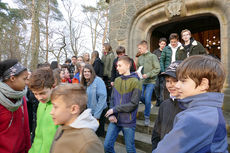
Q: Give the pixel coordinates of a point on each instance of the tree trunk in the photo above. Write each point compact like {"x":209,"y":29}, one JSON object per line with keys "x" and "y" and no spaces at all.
{"x":47,"y":30}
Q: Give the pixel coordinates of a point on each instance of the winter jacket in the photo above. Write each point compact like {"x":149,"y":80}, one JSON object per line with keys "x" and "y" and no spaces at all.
{"x":198,"y":129}
{"x":107,"y":59}
{"x":196,"y":48}
{"x":97,"y":95}
{"x":164,"y":122}
{"x":76,"y":78}
{"x":115,"y":73}
{"x":78,"y":137}
{"x":157,"y":52}
{"x":14,"y":130}
{"x":45,"y":129}
{"x":98,"y":66}
{"x":125,"y":99}
{"x":71,"y":69}
{"x":151,"y":67}
{"x":166,"y":56}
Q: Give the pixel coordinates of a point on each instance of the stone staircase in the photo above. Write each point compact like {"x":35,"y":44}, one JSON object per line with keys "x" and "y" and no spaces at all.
{"x":143,"y":133}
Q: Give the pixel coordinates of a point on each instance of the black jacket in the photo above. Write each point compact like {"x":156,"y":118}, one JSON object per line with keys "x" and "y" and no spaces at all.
{"x":169,"y":108}
{"x":98,"y":67}
{"x":115,"y":73}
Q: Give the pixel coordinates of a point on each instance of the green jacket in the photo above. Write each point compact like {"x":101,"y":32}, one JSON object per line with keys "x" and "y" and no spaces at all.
{"x":166,"y":57}
{"x":196,"y":48}
{"x":151,"y":67}
{"x":45,"y":130}
{"x":108,"y":63}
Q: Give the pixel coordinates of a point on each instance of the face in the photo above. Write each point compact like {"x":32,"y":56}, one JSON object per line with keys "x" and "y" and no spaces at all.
{"x":187,"y":87}
{"x":43,"y":95}
{"x":122,"y":67}
{"x":79,"y":59}
{"x":186,"y":36}
{"x":60,"y":113}
{"x":62,"y":74}
{"x":162,"y":45}
{"x":103,"y":48}
{"x":174,"y":42}
{"x":121,"y":54}
{"x":86,"y":56}
{"x":171,"y":86}
{"x":87,"y":74}
{"x":66,"y":74}
{"x":74,"y":60}
{"x":142,"y":49}
{"x":18,"y":83}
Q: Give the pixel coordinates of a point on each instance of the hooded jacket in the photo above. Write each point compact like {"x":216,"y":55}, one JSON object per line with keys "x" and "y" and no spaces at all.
{"x":78,"y":137}
{"x":107,"y":59}
{"x":198,"y":129}
{"x":195,"y":48}
{"x":151,"y":67}
{"x":125,"y":99}
{"x":166,"y":56}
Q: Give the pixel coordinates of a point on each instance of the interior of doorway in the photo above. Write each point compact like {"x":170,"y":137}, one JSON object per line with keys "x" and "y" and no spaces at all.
{"x":205,"y":29}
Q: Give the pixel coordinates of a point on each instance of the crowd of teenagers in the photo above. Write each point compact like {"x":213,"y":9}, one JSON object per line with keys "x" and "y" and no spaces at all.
{"x":63,"y":108}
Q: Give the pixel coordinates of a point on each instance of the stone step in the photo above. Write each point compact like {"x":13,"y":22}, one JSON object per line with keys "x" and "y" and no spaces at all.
{"x":142,"y":140}
{"x":140,"y":127}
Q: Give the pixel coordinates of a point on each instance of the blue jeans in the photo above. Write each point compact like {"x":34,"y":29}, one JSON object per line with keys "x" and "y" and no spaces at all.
{"x":146,"y":96}
{"x":111,"y":136}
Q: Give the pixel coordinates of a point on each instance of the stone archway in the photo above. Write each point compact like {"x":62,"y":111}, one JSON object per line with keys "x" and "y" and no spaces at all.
{"x":161,"y":12}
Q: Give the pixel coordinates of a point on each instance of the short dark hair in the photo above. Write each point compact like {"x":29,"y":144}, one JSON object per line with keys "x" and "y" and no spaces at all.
{"x":41,"y":78}
{"x":197,"y":67}
{"x":120,"y":50}
{"x":54,"y":65}
{"x":74,"y":57}
{"x":71,"y":94}
{"x":173,"y":36}
{"x":126,"y":59}
{"x":163,"y":39}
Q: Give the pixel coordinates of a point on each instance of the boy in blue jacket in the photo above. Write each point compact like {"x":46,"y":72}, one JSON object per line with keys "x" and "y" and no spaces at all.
{"x":123,"y":108}
{"x":201,"y":127}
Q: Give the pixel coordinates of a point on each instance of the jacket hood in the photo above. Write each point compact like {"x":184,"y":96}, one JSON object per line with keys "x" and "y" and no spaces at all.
{"x":213,"y":99}
{"x":85,"y":120}
{"x":132,"y":75}
{"x":179,"y":44}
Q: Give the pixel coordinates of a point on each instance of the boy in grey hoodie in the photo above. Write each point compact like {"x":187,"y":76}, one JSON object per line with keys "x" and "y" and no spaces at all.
{"x":77,"y":133}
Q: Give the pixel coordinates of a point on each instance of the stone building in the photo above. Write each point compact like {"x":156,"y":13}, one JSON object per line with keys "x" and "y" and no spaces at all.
{"x":209,"y":21}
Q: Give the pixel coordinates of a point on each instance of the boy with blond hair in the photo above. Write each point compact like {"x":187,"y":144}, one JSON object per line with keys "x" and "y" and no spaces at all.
{"x":201,"y":127}
{"x":77,"y":131}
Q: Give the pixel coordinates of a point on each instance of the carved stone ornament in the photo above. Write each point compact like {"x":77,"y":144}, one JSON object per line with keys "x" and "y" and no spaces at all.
{"x":174,"y":7}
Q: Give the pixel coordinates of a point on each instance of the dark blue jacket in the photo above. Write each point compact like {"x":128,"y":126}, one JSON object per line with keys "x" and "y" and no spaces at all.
{"x":125,"y":99}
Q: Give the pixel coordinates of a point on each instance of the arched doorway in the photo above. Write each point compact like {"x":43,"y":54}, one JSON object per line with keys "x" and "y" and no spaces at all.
{"x":205,"y":29}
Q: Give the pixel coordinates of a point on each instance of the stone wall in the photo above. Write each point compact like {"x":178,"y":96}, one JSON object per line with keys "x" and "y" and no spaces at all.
{"x":122,"y":13}
{"x":134,"y":20}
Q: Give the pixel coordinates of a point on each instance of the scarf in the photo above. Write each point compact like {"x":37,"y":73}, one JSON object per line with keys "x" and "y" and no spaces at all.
{"x":7,"y":92}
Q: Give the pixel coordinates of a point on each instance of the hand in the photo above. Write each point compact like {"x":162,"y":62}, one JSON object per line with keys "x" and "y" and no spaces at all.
{"x":144,"y":76}
{"x":113,"y":119}
{"x":112,"y":83}
{"x":109,"y":112}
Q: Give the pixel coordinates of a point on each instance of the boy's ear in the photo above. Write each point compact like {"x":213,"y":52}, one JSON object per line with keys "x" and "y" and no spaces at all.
{"x":75,"y":109}
{"x":204,"y":85}
{"x":12,"y":78}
